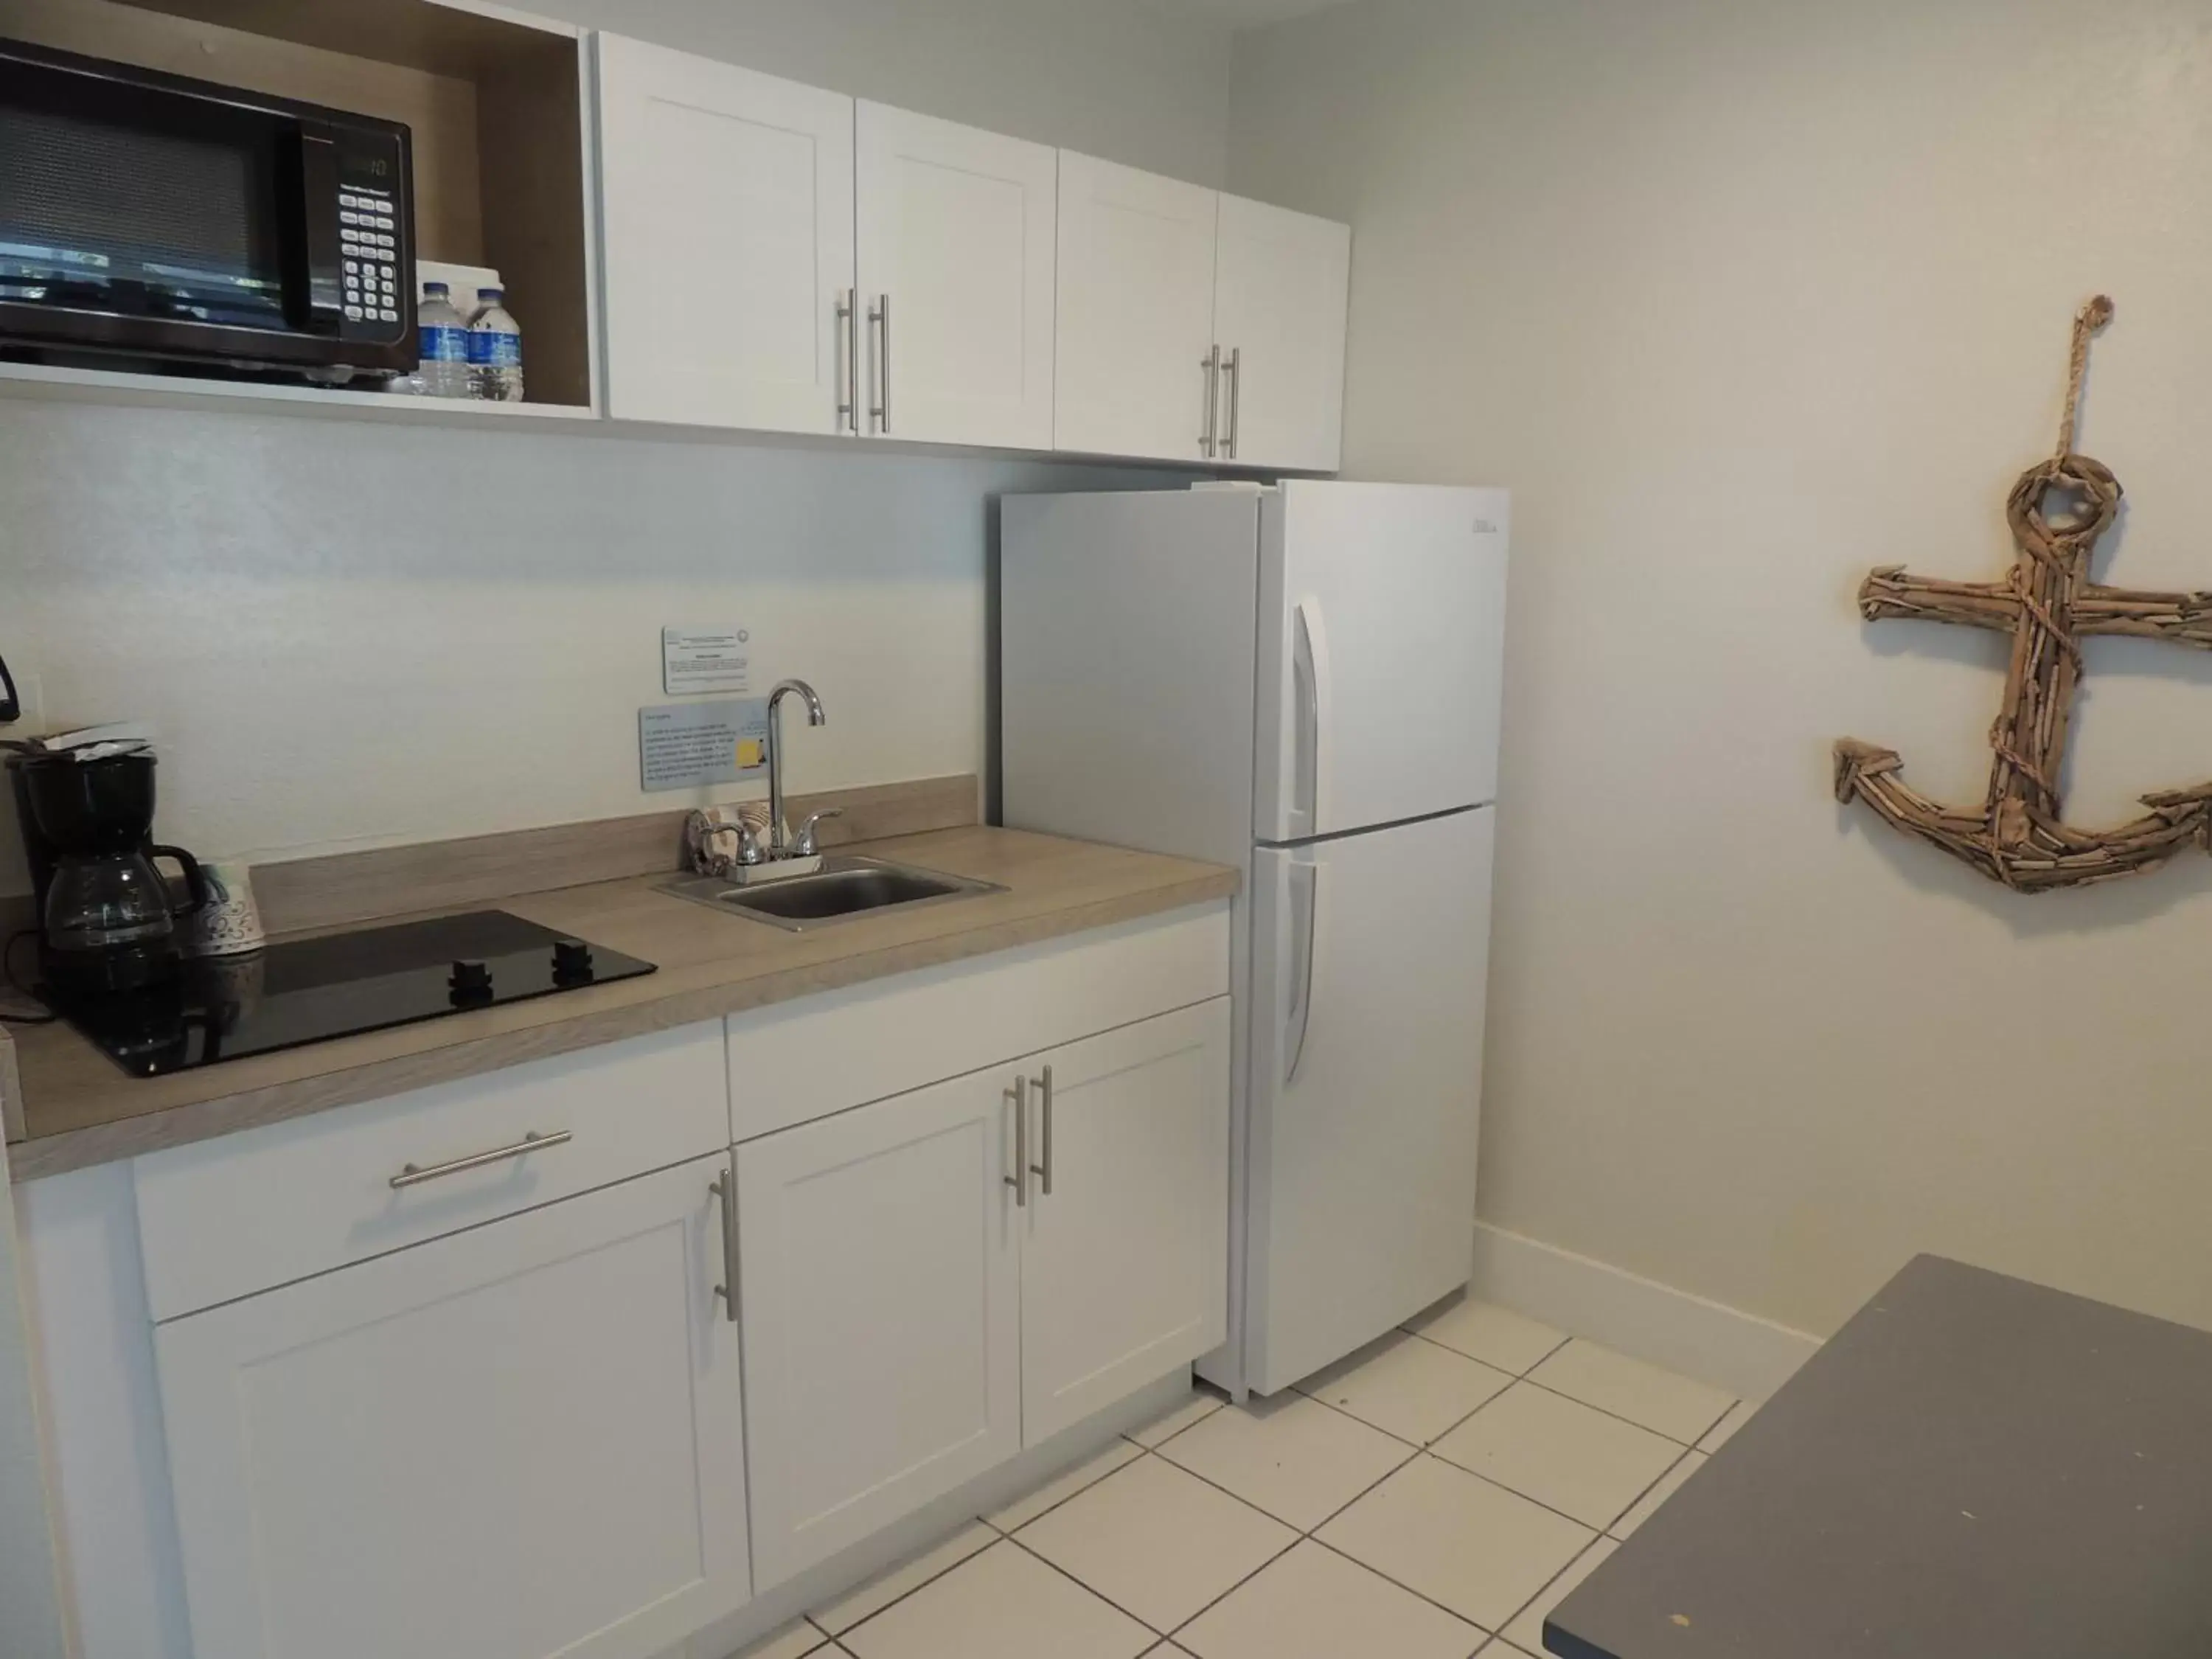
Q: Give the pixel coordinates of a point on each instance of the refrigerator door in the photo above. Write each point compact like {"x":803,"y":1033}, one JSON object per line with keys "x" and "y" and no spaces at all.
{"x":1382,"y":652}
{"x":1370,"y":962}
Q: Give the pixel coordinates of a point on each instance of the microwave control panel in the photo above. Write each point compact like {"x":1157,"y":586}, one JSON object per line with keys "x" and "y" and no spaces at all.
{"x":375,"y":263}
{"x":369,"y":241}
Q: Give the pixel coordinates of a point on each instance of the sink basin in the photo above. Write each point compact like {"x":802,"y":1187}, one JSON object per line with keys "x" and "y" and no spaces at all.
{"x":843,"y":888}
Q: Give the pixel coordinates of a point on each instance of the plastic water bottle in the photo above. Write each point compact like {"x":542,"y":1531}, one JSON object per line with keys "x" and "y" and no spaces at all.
{"x":496,"y":349}
{"x":445,"y":343}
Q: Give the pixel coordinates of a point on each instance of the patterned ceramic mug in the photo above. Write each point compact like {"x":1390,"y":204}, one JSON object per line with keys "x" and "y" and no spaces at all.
{"x":230,"y":923}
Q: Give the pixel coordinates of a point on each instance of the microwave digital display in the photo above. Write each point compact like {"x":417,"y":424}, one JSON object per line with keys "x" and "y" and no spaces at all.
{"x":144,"y":214}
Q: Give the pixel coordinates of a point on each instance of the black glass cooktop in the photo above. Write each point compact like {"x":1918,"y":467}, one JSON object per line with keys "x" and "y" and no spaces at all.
{"x":340,"y":985}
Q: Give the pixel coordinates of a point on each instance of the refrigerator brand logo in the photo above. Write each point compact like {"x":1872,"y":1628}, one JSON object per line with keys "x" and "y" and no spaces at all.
{"x":1484,"y":527}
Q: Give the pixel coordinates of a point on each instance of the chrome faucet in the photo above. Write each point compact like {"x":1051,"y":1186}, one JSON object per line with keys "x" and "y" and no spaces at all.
{"x":779,"y":832}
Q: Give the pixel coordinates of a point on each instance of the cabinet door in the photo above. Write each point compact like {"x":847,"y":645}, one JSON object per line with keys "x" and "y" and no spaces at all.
{"x":956,"y":236}
{"x":1125,"y":1261}
{"x":881,"y":1287}
{"x":1135,"y":312}
{"x":728,"y":221}
{"x":516,"y":1442}
{"x":1280,"y":286}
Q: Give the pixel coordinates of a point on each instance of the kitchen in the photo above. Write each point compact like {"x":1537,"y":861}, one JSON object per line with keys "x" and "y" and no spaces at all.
{"x":395,"y":647}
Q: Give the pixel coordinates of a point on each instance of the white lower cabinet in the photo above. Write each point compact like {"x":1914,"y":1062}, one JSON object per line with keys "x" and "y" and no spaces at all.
{"x":520,"y":1441}
{"x":1125,"y":1260}
{"x":881,"y":1292}
{"x":917,"y":1308}
{"x":498,"y":1411}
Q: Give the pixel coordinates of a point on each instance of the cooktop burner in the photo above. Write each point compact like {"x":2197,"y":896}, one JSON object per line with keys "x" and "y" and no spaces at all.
{"x":339,"y":985}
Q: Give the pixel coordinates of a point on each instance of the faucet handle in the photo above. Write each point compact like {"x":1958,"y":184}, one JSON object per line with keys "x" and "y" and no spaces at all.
{"x":803,"y":845}
{"x":751,"y":844}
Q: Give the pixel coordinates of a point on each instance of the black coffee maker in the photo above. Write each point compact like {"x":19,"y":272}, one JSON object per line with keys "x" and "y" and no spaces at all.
{"x":107,"y":916}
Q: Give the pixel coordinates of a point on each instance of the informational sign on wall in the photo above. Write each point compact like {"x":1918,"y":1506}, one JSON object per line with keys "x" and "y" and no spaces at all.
{"x":685,"y":745}
{"x":692,"y":662}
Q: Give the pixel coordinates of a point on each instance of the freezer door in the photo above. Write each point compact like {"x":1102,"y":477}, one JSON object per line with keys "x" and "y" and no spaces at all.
{"x":1381,"y":651}
{"x":1369,"y":960}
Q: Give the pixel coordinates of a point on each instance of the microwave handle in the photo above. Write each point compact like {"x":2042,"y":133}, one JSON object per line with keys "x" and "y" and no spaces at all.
{"x":318,"y":223}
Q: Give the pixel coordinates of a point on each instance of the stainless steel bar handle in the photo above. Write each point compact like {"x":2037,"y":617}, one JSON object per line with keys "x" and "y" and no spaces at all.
{"x":1303,"y":992}
{"x":1212,"y":364}
{"x":1305,"y":676}
{"x":414,"y":1174}
{"x":1044,"y":1087}
{"x":1019,"y":1181}
{"x":1235,"y":370}
{"x":724,"y":1188}
{"x":880,"y":364}
{"x":848,"y":372}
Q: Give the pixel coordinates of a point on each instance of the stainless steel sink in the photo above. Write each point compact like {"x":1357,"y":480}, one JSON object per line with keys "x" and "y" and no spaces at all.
{"x":843,"y":888}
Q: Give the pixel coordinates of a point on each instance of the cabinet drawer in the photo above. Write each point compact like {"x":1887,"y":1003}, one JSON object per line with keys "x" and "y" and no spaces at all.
{"x":228,"y":1217}
{"x":793,"y":1063}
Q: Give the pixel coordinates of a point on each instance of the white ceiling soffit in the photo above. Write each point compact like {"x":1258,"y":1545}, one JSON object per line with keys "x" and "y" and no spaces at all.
{"x":1242,"y":14}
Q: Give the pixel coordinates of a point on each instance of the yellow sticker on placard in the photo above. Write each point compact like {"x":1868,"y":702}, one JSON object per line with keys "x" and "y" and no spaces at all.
{"x":751,"y":752}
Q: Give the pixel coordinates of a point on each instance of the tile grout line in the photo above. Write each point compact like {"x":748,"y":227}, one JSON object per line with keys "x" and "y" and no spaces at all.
{"x":1430,"y":1448}
{"x":1561,"y":1394}
{"x":838,"y":1636}
{"x":1008,"y":1532}
{"x":1458,"y":1423}
{"x":1411,"y":1452}
{"x":1663,"y":1476}
{"x":1342,"y":1411}
{"x":1091,"y":1590}
{"x":1553,"y":1580}
{"x":1144,"y":1452}
{"x":1530,"y":1377}
{"x":1422,"y":1336}
{"x":1419,"y":1596}
{"x":1309,"y":1536}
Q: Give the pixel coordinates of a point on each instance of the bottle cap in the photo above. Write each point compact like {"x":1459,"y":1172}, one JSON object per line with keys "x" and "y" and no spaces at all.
{"x":440,"y":288}
{"x":495,"y":295}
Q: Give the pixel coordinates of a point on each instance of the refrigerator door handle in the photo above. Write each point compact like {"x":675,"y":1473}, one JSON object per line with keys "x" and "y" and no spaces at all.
{"x":1310,"y":669}
{"x":1301,"y":988}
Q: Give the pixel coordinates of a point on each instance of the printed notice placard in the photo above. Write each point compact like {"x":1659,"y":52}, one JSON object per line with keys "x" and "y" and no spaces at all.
{"x":682,"y":745}
{"x":692,"y":662}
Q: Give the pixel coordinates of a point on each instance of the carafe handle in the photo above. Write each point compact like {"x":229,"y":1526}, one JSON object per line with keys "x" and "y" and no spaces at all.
{"x":196,"y":881}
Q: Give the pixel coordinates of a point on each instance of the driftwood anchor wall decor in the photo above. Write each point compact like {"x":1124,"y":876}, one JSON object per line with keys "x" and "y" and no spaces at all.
{"x":2048,"y":604}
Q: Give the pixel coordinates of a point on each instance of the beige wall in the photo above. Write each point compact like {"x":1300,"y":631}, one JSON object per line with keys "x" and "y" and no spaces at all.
{"x":1741,"y":298}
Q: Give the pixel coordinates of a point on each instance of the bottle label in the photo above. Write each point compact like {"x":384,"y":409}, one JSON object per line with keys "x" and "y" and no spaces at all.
{"x":490,"y":350}
{"x":444,"y":343}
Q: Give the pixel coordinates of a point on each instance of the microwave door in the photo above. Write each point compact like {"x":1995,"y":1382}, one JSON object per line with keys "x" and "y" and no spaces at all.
{"x":315,"y":285}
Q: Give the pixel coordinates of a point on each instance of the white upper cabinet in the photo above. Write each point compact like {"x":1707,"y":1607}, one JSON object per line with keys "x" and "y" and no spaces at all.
{"x":956,"y":245}
{"x":523,"y":1441}
{"x":1281,"y":283}
{"x":784,"y":258}
{"x":1135,"y":312}
{"x":728,"y":224}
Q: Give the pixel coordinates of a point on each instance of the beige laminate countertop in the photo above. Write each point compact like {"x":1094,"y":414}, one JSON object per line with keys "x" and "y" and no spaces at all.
{"x":79,"y":1108}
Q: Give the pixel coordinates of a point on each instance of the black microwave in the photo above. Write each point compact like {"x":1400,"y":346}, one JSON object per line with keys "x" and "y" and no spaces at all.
{"x":155,"y":217}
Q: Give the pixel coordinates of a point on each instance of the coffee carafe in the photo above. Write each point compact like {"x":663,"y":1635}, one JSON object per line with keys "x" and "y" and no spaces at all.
{"x":107,"y":915}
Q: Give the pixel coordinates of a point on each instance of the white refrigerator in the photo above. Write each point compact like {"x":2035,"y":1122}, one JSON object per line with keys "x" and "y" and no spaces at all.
{"x":1301,"y":680}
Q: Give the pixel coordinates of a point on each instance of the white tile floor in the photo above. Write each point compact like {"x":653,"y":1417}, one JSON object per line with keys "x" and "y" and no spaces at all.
{"x":1433,"y":1496}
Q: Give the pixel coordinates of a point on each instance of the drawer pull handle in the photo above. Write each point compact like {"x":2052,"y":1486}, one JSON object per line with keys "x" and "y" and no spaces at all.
{"x":1019,"y":1181}
{"x":1044,"y":1086}
{"x":415,"y":1174}
{"x":724,"y":1188}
